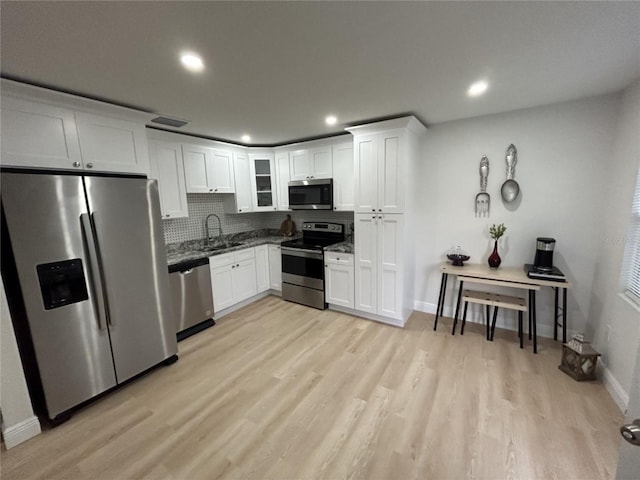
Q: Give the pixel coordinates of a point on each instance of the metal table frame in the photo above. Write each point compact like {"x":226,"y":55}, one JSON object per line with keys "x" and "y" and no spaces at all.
{"x":511,"y":277}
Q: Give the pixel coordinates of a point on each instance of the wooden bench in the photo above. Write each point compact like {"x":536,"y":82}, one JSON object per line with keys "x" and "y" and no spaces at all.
{"x":495,"y":300}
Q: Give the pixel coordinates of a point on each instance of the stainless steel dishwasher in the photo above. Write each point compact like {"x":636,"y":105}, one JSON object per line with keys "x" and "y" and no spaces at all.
{"x":192,"y":296}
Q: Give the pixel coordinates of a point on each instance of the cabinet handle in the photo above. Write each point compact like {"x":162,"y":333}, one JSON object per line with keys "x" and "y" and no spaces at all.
{"x":237,"y":264}
{"x":76,"y":164}
{"x":374,"y":217}
{"x":215,"y":190}
{"x":239,"y":209}
{"x":233,"y":266}
{"x":380,"y":217}
{"x":89,"y":165}
{"x":373,"y":209}
{"x":379,"y":209}
{"x":211,"y":189}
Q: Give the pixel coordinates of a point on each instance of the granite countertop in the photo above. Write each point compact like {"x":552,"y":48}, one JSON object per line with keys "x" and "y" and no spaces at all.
{"x":196,"y":249}
{"x":342,"y":247}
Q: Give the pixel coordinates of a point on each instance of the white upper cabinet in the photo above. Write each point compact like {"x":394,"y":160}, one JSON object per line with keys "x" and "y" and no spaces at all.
{"x":167,"y":167}
{"x":311,"y":163}
{"x":379,"y":172}
{"x":112,"y":145}
{"x":208,"y":170}
{"x":40,"y":135}
{"x":343,"y":188}
{"x":262,"y":181}
{"x":282,"y":180}
{"x":383,"y":153}
{"x":241,"y":201}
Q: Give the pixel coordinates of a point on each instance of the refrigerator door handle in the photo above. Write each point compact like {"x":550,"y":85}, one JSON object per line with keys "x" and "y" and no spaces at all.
{"x":101,"y":310}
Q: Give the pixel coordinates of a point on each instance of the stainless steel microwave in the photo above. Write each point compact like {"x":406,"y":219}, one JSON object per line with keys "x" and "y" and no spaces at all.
{"x":315,"y":194}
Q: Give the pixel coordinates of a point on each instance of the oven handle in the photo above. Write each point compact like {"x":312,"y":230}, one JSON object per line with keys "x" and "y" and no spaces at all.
{"x":301,"y":252}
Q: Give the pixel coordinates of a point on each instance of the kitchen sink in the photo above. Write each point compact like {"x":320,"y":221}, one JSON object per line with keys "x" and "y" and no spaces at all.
{"x":219,"y":246}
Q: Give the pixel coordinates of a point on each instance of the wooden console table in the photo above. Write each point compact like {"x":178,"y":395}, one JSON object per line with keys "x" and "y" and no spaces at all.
{"x":513,"y":277}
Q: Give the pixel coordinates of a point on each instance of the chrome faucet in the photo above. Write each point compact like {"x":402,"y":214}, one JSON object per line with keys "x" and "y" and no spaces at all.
{"x":206,"y":226}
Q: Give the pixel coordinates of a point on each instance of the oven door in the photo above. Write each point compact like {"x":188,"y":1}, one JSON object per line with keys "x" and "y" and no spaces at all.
{"x":303,"y":267}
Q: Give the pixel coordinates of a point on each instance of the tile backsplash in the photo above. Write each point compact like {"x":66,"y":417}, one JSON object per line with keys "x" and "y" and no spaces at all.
{"x":202,"y":204}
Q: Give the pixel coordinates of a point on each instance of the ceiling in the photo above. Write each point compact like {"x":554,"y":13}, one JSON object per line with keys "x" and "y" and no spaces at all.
{"x":274,"y":70}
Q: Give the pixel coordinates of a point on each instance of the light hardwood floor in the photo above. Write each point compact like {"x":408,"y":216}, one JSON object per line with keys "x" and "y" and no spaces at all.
{"x":281,"y":391}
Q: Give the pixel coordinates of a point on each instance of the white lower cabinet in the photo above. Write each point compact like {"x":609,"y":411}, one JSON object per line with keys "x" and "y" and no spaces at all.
{"x":339,"y":279}
{"x":233,"y":278}
{"x":275,"y":268}
{"x":262,"y":268}
{"x":379,"y":264}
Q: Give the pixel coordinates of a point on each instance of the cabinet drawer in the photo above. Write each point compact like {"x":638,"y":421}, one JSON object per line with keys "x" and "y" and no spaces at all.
{"x":221,"y":260}
{"x":245,"y":254}
{"x":335,"y":258}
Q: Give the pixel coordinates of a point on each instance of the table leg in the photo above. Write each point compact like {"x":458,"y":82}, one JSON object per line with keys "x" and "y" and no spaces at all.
{"x":520,"y":334}
{"x":555,"y":314}
{"x":564,"y":315}
{"x":488,"y":317}
{"x":441,"y":296}
{"x":535,"y":334}
{"x":530,"y":311}
{"x":455,"y":318}
{"x":493,"y":323}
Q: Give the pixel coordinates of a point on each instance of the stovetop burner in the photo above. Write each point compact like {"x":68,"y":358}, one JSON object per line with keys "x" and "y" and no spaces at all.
{"x":317,"y":235}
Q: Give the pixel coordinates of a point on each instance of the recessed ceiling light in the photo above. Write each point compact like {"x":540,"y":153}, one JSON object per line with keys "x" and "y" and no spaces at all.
{"x":477,"y":88}
{"x":331,"y":120}
{"x":246,"y":138}
{"x":192,"y":62}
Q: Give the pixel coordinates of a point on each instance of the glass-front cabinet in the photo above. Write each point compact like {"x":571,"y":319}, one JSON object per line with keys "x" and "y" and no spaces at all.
{"x":263,"y":182}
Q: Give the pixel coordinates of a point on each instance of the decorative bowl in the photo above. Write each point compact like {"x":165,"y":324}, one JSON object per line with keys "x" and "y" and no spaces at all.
{"x":458,"y":256}
{"x":458,"y":259}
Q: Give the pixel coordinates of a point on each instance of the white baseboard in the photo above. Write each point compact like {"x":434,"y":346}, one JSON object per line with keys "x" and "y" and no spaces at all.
{"x":368,"y":316}
{"x":21,"y":432}
{"x":619,"y":395}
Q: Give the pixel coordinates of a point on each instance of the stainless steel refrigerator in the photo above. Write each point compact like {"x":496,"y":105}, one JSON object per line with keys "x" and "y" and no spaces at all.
{"x":90,"y":263}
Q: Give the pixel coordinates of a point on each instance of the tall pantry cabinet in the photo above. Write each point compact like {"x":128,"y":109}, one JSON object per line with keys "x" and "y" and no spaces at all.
{"x":385,"y":154}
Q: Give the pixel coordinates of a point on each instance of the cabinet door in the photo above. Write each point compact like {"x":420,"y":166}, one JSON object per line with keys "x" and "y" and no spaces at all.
{"x":390,"y":270}
{"x":392,"y":151}
{"x":339,"y":280}
{"x":300,"y":165}
{"x":262,"y":268}
{"x":342,"y":157}
{"x":282,"y":180}
{"x":365,"y":156}
{"x":222,"y":168}
{"x":275,"y":267}
{"x":222,"y":286}
{"x":197,"y":168}
{"x":366,"y":262}
{"x":262,"y":177}
{"x":242,"y":173}
{"x":112,"y":145}
{"x":38,"y":135}
{"x":320,"y":161}
{"x":168,"y":169}
{"x":244,"y":280}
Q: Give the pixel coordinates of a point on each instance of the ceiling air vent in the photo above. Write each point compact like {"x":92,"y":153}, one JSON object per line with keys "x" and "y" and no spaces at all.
{"x":170,"y":122}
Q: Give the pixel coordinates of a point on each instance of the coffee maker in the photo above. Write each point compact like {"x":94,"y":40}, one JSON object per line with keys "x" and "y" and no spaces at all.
{"x":543,"y":261}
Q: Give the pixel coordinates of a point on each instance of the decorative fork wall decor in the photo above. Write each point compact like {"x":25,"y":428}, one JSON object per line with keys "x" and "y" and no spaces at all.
{"x":483,"y":200}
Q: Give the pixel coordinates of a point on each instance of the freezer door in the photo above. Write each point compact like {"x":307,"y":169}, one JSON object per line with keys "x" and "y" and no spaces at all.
{"x":126,"y":216}
{"x":44,"y":218}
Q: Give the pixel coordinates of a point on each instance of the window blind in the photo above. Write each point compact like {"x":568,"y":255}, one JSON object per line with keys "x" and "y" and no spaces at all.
{"x":631,"y":262}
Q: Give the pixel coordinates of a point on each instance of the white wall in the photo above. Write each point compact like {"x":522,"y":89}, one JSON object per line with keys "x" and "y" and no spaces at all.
{"x":608,"y":308}
{"x":564,"y":165}
{"x":18,"y":421}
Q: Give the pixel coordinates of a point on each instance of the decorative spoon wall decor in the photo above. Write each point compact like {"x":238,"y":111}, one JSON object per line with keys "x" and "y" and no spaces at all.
{"x":510,"y":188}
{"x":483,"y":199}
